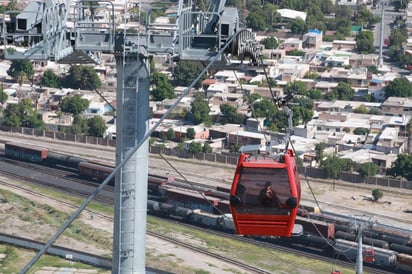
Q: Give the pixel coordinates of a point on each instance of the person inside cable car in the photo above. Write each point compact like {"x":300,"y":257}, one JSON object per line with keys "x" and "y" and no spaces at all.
{"x":268,"y":197}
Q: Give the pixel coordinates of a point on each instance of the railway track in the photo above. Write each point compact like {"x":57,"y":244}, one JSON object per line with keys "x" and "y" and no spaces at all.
{"x":300,"y":252}
{"x":42,"y":177}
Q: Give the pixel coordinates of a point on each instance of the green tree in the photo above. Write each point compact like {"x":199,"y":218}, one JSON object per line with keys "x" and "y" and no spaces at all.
{"x":344,"y":91}
{"x":22,"y":114}
{"x":3,"y":95}
{"x":20,"y":69}
{"x":186,"y":72}
{"x":298,"y":26}
{"x":199,"y":111}
{"x":402,"y":167}
{"x":270,"y":42}
{"x":235,"y":148}
{"x":170,"y":134}
{"x":399,"y":87}
{"x":96,"y":126}
{"x":74,"y":104}
{"x":320,"y":150}
{"x":195,"y":147}
{"x":333,"y":165}
{"x":161,"y":87}
{"x":82,"y":77}
{"x":315,"y":94}
{"x":377,"y":194}
{"x":207,"y":148}
{"x":360,"y":131}
{"x":50,"y":79}
{"x":190,"y":133}
{"x":230,"y":115}
{"x":364,"y":42}
{"x":296,"y":87}
{"x":367,"y":169}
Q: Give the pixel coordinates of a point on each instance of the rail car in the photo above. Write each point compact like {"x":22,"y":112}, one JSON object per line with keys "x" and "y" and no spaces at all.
{"x":316,"y":227}
{"x":404,"y":262}
{"x":94,"y":171}
{"x":265,"y":195}
{"x":401,"y":248}
{"x":25,"y":152}
{"x":195,"y":200}
{"x":349,"y":249}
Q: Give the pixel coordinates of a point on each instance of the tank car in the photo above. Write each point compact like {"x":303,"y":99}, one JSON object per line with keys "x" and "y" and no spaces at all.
{"x":401,"y":248}
{"x":383,"y":257}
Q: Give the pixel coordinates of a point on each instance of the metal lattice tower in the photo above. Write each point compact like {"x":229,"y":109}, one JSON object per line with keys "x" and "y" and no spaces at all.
{"x":59,"y":31}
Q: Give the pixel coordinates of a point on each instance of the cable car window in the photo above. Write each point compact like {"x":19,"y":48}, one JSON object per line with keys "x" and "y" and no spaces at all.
{"x":263,"y":191}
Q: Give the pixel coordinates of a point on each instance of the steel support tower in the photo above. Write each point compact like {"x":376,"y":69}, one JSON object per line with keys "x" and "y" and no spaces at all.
{"x":41,"y":32}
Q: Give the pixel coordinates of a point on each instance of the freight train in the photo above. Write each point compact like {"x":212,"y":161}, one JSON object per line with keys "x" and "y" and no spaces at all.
{"x":210,"y":208}
{"x":328,"y":242}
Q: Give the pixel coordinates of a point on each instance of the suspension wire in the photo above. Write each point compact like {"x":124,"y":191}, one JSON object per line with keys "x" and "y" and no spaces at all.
{"x":127,"y":156}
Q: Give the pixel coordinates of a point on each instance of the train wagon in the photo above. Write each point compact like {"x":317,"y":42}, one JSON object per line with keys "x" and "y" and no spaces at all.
{"x":195,"y":200}
{"x":315,"y":227}
{"x":25,"y":152}
{"x":94,"y":171}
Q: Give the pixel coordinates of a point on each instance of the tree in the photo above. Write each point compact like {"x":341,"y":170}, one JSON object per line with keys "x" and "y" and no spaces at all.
{"x":50,"y":79}
{"x":3,"y":96}
{"x":82,"y":77}
{"x":21,"y":69}
{"x":199,"y":111}
{"x":230,"y":115}
{"x":402,"y":167}
{"x":207,"y":148}
{"x":22,"y":114}
{"x":344,"y":91}
{"x":74,"y":104}
{"x":170,"y":134}
{"x":333,"y":165}
{"x":377,"y":194}
{"x":364,"y":42}
{"x":399,"y":87}
{"x":195,"y":147}
{"x":235,"y":148}
{"x":161,"y":87}
{"x":298,"y":26}
{"x":319,"y":149}
{"x":186,"y":72}
{"x":360,"y":131}
{"x":190,"y":133}
{"x":367,"y":169}
{"x":96,"y":126}
{"x":270,"y":42}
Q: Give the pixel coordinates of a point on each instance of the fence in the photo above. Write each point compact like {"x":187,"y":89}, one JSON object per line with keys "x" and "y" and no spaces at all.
{"x":212,"y":157}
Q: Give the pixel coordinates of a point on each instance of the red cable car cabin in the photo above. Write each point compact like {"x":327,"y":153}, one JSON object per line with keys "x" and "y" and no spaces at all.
{"x":265,"y":195}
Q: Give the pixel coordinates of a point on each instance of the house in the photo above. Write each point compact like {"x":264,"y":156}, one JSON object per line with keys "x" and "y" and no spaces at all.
{"x":390,"y":142}
{"x":344,"y":45}
{"x":397,"y":106}
{"x":244,"y":138}
{"x":312,"y":39}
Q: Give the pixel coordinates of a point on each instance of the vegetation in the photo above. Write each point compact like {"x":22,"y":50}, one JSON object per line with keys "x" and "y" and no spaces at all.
{"x":230,"y":115}
{"x":399,"y":87}
{"x":82,"y":77}
{"x":402,"y":167}
{"x":74,"y":104}
{"x":50,"y":79}
{"x":22,"y":114}
{"x":20,"y":70}
{"x":377,"y":194}
{"x":186,"y":72}
{"x":199,"y":111}
{"x":333,"y":165}
{"x":367,"y":169}
{"x":161,"y":88}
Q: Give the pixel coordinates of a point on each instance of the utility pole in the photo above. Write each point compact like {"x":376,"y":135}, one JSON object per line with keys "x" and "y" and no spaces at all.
{"x":196,"y":35}
{"x":380,"y":61}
